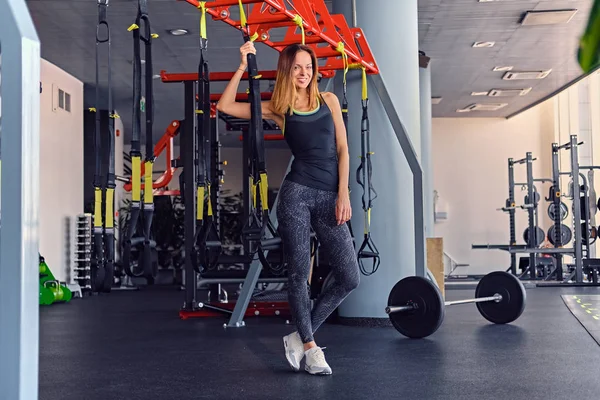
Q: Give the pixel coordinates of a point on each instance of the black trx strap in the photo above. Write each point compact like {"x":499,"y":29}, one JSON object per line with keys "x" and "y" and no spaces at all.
{"x":104,"y":233}
{"x":345,"y":117}
{"x":258,"y":169}
{"x":363,"y":177}
{"x":207,"y":239}
{"x":136,"y":154}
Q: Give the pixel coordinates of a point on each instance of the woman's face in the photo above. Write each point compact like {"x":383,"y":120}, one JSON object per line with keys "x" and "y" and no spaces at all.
{"x":302,"y":70}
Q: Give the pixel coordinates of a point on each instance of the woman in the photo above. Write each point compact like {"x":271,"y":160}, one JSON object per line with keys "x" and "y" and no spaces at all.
{"x":314,"y":193}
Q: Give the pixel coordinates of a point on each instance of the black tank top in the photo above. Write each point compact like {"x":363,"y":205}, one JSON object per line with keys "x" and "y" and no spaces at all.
{"x":311,"y":138}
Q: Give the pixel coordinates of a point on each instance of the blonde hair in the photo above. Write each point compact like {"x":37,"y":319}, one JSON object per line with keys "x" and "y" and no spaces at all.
{"x":284,"y":93}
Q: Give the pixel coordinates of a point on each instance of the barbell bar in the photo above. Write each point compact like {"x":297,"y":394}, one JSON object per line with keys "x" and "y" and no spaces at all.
{"x":416,"y":307}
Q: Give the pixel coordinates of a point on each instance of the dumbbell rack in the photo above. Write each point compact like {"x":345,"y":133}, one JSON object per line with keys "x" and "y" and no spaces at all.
{"x":83,"y":252}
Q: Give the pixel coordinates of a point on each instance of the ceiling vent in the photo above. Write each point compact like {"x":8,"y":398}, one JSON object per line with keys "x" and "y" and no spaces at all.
{"x":503,"y":68}
{"x":479,"y":93}
{"x":515,"y":75}
{"x":548,"y":17}
{"x":508,"y":92}
{"x":483,"y":107}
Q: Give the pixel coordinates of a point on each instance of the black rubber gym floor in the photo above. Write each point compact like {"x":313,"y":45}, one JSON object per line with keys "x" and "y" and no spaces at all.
{"x":132,"y":345}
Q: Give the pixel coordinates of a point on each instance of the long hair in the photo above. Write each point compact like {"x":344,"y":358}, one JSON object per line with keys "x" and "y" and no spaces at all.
{"x":284,"y":93}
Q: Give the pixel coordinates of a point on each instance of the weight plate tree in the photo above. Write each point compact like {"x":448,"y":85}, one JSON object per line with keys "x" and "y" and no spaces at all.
{"x":416,"y":307}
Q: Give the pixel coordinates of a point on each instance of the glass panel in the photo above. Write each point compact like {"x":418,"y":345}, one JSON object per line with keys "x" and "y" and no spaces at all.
{"x":67,"y":102}
{"x":61,"y":99}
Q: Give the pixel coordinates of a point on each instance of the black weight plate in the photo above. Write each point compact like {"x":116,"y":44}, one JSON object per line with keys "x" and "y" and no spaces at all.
{"x":513,"y":297}
{"x":564,"y":211}
{"x":539,"y":237}
{"x":565,"y":234}
{"x":536,"y":197}
{"x":429,"y":314}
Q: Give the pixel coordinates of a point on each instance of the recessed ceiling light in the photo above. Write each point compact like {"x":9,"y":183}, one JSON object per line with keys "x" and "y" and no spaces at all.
{"x":483,"y":107}
{"x":484,"y":44}
{"x":479,"y":93}
{"x":502,"y":69}
{"x":155,"y":76}
{"x":509,"y":76}
{"x":178,"y":32}
{"x":436,"y":100}
{"x":548,"y":17}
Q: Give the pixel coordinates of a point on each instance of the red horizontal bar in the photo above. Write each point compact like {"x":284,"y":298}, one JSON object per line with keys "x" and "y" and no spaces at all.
{"x":241,"y":96}
{"x":213,"y":76}
{"x":166,"y":193}
{"x":268,"y":137}
{"x":170,"y":77}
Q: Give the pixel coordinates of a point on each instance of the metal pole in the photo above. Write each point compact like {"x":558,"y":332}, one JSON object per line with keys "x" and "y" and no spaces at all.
{"x":189,"y":195}
{"x":556,"y":200}
{"x":576,"y":210}
{"x":497,"y":298}
{"x":532,"y":242}
{"x":511,"y":214}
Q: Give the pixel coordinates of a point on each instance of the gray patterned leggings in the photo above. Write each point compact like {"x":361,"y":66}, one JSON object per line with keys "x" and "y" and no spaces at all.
{"x":298,"y":208}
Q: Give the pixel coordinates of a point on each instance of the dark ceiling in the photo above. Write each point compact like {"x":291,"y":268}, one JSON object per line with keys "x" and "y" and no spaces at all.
{"x":447,"y":28}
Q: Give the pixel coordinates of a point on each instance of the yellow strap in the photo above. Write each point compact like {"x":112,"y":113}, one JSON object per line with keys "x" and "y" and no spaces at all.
{"x":97,"y":208}
{"x":148,"y":192}
{"x":202,"y":7}
{"x":136,"y":178}
{"x":92,"y":109}
{"x":264,"y":191}
{"x":200,"y":203}
{"x":115,"y":115}
{"x":364,"y":84}
{"x":133,"y":27}
{"x":254,"y":37}
{"x":253,"y":191}
{"x":341,"y":49}
{"x":110,"y":215}
{"x":210,"y":210}
{"x":367,"y":220}
{"x":154,"y":35}
{"x":298,"y":20}
{"x":243,"y":20}
{"x":199,"y":112}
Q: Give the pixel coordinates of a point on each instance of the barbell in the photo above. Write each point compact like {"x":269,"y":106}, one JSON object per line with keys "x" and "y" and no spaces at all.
{"x":416,"y":307}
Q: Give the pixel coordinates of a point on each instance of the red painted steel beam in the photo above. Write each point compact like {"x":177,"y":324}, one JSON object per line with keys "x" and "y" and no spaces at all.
{"x":241,"y":96}
{"x":177,"y":77}
{"x":319,"y":27}
{"x":268,"y":137}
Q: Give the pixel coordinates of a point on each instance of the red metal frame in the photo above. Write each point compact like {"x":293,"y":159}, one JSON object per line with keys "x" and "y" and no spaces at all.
{"x":255,"y":309}
{"x":165,"y":143}
{"x":319,"y":27}
{"x":268,"y":137}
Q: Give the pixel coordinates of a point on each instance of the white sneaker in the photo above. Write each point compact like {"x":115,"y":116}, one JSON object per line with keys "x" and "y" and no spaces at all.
{"x":294,"y":350}
{"x":315,"y":362}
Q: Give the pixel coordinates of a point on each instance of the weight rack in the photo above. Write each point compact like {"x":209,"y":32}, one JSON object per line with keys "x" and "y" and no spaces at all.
{"x":83,"y":252}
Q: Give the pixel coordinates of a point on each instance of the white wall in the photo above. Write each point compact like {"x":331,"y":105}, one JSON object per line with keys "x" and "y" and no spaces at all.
{"x":61,"y":166}
{"x":470,"y":158}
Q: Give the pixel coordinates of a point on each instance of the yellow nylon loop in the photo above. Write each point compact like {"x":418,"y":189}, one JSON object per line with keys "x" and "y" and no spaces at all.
{"x":133,"y":27}
{"x":298,"y":21}
{"x":136,"y":178}
{"x":243,"y":20}
{"x":92,"y":109}
{"x":364,"y":84}
{"x":340,"y":48}
{"x":202,"y":7}
{"x":254,"y":37}
{"x":258,"y":76}
{"x":264,"y":191}
{"x":199,"y":112}
{"x":210,"y":209}
{"x":97,"y":208}
{"x":154,"y":35}
{"x":148,"y":190}
{"x":110,"y":214}
{"x":200,"y":203}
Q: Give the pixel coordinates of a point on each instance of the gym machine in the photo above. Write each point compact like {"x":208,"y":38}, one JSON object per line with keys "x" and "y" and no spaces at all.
{"x":533,"y":235}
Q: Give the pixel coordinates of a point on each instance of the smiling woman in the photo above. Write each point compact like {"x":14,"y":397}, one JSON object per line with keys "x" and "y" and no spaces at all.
{"x":314,"y":193}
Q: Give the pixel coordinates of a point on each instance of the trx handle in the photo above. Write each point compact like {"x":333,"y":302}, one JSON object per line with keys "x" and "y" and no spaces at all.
{"x":364,"y":175}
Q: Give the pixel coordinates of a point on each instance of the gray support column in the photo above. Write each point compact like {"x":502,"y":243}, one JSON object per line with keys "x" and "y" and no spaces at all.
{"x":391,"y":29}
{"x":19,"y":272}
{"x":426,"y":140}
